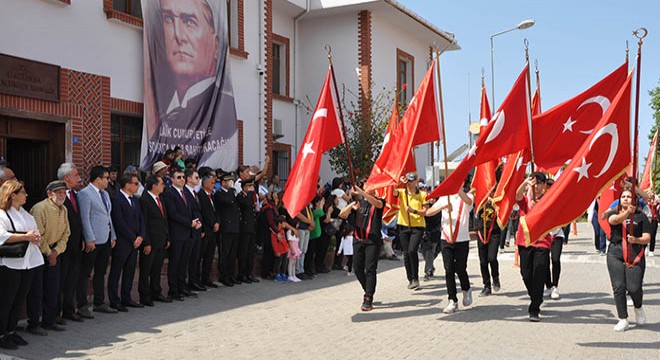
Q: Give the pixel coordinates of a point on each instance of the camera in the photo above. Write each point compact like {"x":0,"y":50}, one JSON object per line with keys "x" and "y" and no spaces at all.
{"x":260,"y":69}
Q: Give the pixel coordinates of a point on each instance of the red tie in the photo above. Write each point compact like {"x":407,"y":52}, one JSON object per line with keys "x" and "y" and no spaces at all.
{"x":73,"y":201}
{"x":184,"y":197}
{"x":160,"y":206}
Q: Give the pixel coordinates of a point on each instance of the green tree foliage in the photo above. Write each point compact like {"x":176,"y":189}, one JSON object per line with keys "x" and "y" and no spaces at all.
{"x":655,"y":106}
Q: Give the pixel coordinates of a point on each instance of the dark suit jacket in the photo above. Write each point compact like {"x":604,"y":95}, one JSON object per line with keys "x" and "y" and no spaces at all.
{"x":248,"y":215}
{"x":209,"y":216}
{"x":154,"y":221}
{"x":228,"y":211}
{"x":195,"y":209}
{"x":75,"y":224}
{"x":179,"y":216}
{"x":127,"y":219}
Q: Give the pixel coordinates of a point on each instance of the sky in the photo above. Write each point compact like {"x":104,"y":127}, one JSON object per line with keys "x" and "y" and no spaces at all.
{"x":576,"y":43}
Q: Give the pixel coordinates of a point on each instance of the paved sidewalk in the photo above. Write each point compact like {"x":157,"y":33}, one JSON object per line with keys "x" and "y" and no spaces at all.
{"x":321,"y":319}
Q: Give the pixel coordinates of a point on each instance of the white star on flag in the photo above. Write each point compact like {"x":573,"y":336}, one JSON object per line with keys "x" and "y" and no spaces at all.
{"x":307,"y":149}
{"x":568,"y":125}
{"x":583,"y":170}
{"x":473,"y":151}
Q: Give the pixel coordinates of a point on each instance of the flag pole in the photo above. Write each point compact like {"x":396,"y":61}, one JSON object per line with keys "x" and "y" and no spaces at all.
{"x":538,"y":80}
{"x":341,"y":116}
{"x":444,"y":137}
{"x":529,"y":101}
{"x":639,"y":34}
{"x":654,"y":165}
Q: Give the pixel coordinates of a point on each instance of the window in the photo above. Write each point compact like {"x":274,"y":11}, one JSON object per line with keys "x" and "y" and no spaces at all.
{"x":281,"y":162}
{"x":405,"y":68}
{"x":280,"y":71}
{"x":130,"y":7}
{"x":125,"y":137}
{"x":235,"y":28}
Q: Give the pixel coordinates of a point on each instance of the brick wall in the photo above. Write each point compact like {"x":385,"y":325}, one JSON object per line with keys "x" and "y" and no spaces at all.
{"x":364,"y":61}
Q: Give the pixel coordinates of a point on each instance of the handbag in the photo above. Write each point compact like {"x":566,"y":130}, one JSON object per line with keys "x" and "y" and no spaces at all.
{"x":329,"y":229}
{"x":14,"y":250}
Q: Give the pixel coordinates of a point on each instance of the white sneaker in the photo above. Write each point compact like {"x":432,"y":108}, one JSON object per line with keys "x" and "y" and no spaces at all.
{"x":451,"y":307}
{"x":651,"y":254}
{"x":293,"y":279}
{"x":547,"y":292}
{"x":467,"y":297}
{"x":622,"y":325}
{"x":640,"y":316}
{"x":348,"y":273}
{"x":554,"y":295}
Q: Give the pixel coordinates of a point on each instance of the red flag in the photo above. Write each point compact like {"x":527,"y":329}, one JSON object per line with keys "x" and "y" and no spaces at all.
{"x":507,"y":132}
{"x":322,"y":135}
{"x":647,"y":177}
{"x":559,"y":132}
{"x":418,"y":126}
{"x":484,"y":175}
{"x":606,"y":199}
{"x":391,"y":202}
{"x":588,"y":173}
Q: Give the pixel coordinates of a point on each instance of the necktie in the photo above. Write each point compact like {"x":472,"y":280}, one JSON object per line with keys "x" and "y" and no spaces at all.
{"x":132,"y":201}
{"x":211,"y":201}
{"x":105,"y":202}
{"x":183,"y":195}
{"x":160,"y":206}
{"x":72,"y":198}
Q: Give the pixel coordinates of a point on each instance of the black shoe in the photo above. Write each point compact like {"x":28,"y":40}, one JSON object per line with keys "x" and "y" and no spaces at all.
{"x":147,"y":303}
{"x":36,"y":331}
{"x":53,"y":327}
{"x":227,"y":283}
{"x":7,"y":344}
{"x":534,"y":318}
{"x":17,"y":339}
{"x":322,"y":271}
{"x":268,"y":277}
{"x":161,"y":298}
{"x":188,"y":293}
{"x":197,"y":287}
{"x":253,"y":279}
{"x":177,"y":297}
{"x":236,"y":281}
{"x":485,"y":292}
{"x":73,"y":317}
{"x":132,"y":304}
{"x":427,"y":277}
{"x":210,"y":284}
{"x":367,"y":303}
{"x":119,"y":307}
{"x":60,"y":321}
{"x":496,"y":285}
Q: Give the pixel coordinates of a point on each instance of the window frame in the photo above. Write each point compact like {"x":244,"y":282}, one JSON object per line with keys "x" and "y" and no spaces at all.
{"x":406,"y":94}
{"x":121,"y":138}
{"x":284,"y":68}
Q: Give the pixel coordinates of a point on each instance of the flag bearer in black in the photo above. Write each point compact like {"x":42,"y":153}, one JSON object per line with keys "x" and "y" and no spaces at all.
{"x":230,"y":216}
{"x":246,"y":246}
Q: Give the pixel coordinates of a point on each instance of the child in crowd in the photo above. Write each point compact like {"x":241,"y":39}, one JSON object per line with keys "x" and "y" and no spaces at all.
{"x":346,"y":246}
{"x":294,"y":255}
{"x":280,"y":250}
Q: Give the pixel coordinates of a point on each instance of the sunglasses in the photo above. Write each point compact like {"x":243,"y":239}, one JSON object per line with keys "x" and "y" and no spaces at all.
{"x":179,"y":177}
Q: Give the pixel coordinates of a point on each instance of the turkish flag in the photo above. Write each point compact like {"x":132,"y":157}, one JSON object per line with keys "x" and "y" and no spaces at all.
{"x":418,"y":126}
{"x":484,"y":175}
{"x":606,"y":199}
{"x":322,"y":135}
{"x":603,"y":157}
{"x":506,"y":133}
{"x":559,"y":132}
{"x":649,"y":171}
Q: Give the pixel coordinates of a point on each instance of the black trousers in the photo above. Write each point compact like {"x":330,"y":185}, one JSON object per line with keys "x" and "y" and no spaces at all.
{"x":97,"y":261}
{"x":43,"y":294}
{"x":310,"y":256}
{"x":555,"y":261}
{"x":321,"y":250}
{"x":454,"y":258}
{"x":229,"y":250}
{"x":625,"y":280}
{"x":654,"y":231}
{"x":280,"y":263}
{"x":488,"y":257}
{"x":410,"y":238}
{"x":504,"y":236}
{"x":195,"y":260}
{"x":123,"y":263}
{"x":365,"y":264}
{"x":150,"y":268}
{"x":15,"y":285}
{"x":177,"y":268}
{"x":267,"y":258}
{"x":208,"y":250}
{"x":246,"y":252}
{"x":71,"y":261}
{"x":534,"y":268}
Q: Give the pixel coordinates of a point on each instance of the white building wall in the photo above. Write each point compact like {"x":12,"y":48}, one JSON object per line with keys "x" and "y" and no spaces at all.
{"x":341,"y":33}
{"x":283,"y":25}
{"x":78,"y":37}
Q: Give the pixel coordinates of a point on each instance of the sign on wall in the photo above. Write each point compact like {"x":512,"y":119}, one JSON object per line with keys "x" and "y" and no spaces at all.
{"x":27,"y":78}
{"x":188,"y":95}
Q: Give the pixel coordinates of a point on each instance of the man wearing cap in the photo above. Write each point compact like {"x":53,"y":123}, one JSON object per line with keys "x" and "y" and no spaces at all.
{"x":160,"y":168}
{"x":246,"y":246}
{"x":230,"y":215}
{"x":51,"y":218}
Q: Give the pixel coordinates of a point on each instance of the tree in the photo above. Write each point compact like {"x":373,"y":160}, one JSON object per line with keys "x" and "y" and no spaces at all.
{"x":655,"y":106}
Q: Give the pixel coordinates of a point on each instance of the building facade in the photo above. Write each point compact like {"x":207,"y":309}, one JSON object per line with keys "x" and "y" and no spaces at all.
{"x":71,"y":75}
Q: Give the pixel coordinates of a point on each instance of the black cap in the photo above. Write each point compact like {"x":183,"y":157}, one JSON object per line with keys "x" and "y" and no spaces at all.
{"x":247,"y":182}
{"x":225,"y":176}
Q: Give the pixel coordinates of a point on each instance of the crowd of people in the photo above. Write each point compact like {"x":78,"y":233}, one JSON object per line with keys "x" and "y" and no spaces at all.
{"x":190,"y":216}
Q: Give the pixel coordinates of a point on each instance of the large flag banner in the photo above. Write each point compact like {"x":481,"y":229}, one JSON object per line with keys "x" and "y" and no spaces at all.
{"x":507,"y":132}
{"x":484,"y":175}
{"x":188,"y":95}
{"x":559,"y":132}
{"x":649,"y":168}
{"x":418,"y":126}
{"x":603,"y":157}
{"x":322,"y":135}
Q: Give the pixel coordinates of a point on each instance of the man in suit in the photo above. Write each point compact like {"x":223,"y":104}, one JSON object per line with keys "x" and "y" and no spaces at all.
{"x":192,"y":181}
{"x":129,"y":225}
{"x":180,"y":225}
{"x":246,"y":247}
{"x":72,"y":258}
{"x":155,"y":242}
{"x":229,"y":215}
{"x":100,"y":238}
{"x":210,"y":226}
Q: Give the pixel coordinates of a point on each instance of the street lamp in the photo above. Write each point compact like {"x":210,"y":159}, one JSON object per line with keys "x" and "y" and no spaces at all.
{"x":525,"y":24}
